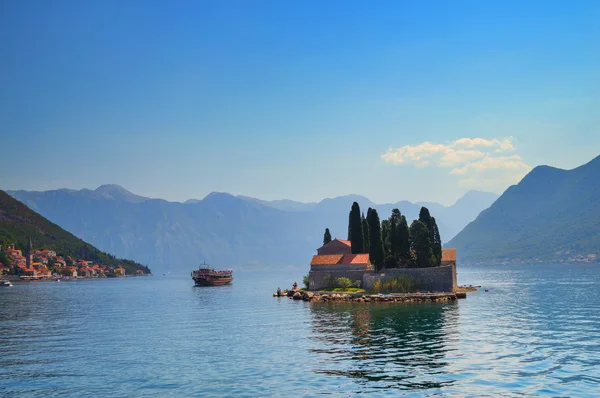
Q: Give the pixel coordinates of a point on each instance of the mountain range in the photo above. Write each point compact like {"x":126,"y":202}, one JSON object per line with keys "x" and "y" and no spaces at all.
{"x":551,"y":215}
{"x":222,"y":229}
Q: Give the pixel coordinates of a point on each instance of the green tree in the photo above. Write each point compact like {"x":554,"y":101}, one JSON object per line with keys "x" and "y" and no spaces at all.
{"x":395,"y":243}
{"x":326,"y":236}
{"x":350,"y":226}
{"x":421,"y":245}
{"x":365,"y":226}
{"x":4,"y":258}
{"x":436,"y":242}
{"x":376,"y":254}
{"x":357,"y":238}
{"x":404,"y":237}
{"x":425,"y":217}
{"x":385,"y":238}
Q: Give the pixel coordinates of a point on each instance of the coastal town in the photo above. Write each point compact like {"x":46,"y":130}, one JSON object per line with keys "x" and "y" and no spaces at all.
{"x":46,"y":264}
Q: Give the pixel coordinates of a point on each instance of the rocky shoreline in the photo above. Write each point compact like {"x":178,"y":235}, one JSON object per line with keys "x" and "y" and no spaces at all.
{"x":297,"y":294}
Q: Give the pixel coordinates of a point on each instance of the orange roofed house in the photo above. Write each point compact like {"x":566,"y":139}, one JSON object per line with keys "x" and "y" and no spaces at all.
{"x":331,"y":262}
{"x":335,"y":260}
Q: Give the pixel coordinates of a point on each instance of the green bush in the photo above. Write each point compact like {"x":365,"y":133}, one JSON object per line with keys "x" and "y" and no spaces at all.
{"x":344,"y":283}
{"x":376,"y":286}
{"x":306,"y":282}
{"x":396,"y":284}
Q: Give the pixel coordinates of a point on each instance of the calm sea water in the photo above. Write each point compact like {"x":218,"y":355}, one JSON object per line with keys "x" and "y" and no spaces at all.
{"x":536,"y":331}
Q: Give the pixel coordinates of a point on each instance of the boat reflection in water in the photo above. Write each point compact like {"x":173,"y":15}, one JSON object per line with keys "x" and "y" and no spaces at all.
{"x":383,"y":346}
{"x":205,"y":275}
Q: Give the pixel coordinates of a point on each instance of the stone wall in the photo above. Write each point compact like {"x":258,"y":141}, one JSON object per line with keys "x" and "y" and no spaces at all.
{"x":317,"y":278}
{"x":433,"y":279}
{"x":340,"y":267}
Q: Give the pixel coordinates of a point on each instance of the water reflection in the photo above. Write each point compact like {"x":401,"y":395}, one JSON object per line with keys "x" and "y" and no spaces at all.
{"x":383,"y":346}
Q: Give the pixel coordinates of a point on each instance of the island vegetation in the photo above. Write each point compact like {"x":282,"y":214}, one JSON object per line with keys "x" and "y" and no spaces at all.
{"x":391,"y":243}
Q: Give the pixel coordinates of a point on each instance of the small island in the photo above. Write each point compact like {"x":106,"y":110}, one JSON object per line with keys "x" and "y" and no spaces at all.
{"x":382,"y":261}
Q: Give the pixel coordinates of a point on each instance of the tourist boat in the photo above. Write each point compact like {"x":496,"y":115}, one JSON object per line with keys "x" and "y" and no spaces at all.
{"x":205,"y":275}
{"x":5,"y":283}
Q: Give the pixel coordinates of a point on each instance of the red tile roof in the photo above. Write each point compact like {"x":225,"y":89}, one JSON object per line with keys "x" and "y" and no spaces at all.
{"x":330,"y":259}
{"x":362,"y":258}
{"x":346,"y":242}
{"x":326,"y":259}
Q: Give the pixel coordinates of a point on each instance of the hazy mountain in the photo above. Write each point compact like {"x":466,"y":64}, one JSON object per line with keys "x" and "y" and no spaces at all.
{"x":18,"y":224}
{"x":116,"y":192}
{"x":221,"y":228}
{"x":282,"y":204}
{"x":552,"y":214}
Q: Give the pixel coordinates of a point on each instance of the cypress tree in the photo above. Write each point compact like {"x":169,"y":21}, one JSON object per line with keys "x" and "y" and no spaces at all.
{"x":356,"y":238}
{"x":404,"y":241}
{"x":350,"y":226}
{"x":421,"y":245}
{"x":385,"y":237}
{"x":436,"y":243}
{"x":326,"y":236}
{"x":426,"y":219}
{"x":376,"y":254}
{"x":366,"y":234}
{"x":395,"y":243}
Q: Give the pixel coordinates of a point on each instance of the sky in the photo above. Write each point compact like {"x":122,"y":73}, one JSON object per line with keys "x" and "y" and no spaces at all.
{"x":393,"y":100}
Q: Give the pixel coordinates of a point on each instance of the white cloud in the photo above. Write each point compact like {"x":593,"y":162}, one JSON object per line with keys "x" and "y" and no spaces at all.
{"x":479,"y":161}
{"x":513,"y":162}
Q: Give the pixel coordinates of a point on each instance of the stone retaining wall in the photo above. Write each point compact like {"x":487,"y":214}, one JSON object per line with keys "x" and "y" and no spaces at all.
{"x":432,"y":279}
{"x":374,"y":298}
{"x":317,"y":278}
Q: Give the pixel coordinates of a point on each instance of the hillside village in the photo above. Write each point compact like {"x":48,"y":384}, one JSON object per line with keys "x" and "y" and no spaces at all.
{"x":39,"y":264}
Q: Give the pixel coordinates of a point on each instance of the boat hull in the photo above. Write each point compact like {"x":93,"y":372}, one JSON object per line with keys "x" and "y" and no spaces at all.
{"x":212,"y":282}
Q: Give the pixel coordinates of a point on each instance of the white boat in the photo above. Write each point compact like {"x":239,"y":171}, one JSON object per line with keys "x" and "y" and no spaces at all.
{"x":5,"y":283}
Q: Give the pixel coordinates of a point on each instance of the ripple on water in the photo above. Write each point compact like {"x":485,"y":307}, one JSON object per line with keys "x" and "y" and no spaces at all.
{"x":535,"y":332}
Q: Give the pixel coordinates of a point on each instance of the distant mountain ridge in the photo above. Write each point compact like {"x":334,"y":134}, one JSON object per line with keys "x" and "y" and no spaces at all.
{"x":551,"y":215}
{"x":221,"y":228}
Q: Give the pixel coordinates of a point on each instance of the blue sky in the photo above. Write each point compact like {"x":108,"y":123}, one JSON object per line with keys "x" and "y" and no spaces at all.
{"x":415,"y":100}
